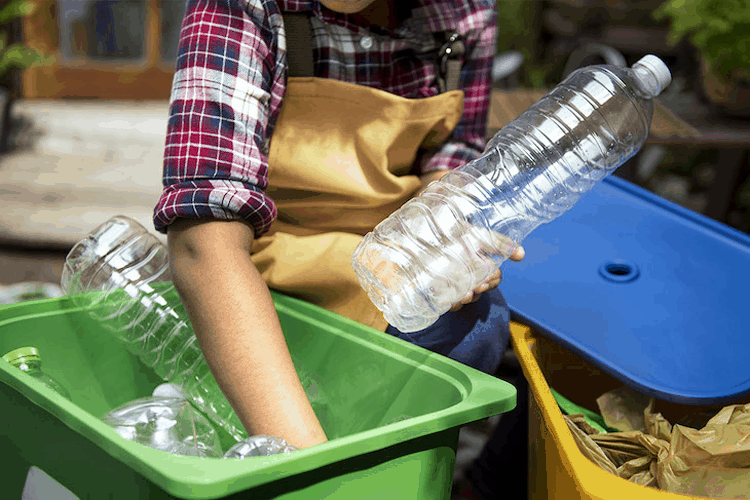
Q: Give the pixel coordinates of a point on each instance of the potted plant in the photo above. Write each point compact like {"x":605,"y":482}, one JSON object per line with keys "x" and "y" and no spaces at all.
{"x":720,"y":31}
{"x":13,"y":57}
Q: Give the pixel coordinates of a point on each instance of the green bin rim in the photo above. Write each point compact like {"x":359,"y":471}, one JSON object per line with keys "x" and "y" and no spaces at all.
{"x":193,"y":477}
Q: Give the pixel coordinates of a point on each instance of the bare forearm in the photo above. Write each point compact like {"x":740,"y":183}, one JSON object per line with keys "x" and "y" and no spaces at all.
{"x":238,"y":330}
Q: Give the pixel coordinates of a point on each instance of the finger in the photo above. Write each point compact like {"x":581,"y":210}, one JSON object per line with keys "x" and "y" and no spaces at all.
{"x":490,"y":286}
{"x":467,"y":299}
{"x":474,"y":296}
{"x":518,"y":254}
{"x":491,"y":282}
{"x":494,"y":276}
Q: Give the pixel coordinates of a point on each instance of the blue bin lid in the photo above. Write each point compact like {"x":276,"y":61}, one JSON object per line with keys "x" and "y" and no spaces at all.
{"x":649,"y":292}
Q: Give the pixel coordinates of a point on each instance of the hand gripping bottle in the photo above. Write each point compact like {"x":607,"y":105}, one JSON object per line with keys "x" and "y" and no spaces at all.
{"x":120,"y":275}
{"x":439,"y":246}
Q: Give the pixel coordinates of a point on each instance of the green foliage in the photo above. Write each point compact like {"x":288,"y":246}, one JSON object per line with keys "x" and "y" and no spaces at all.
{"x":15,"y":9}
{"x":719,"y":29}
{"x":17,"y":55}
{"x":539,"y":72}
{"x":514,"y":24}
{"x":518,"y":27}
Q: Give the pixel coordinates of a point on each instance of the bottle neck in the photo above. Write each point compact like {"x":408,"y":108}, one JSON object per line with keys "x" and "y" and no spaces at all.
{"x":29,"y":365}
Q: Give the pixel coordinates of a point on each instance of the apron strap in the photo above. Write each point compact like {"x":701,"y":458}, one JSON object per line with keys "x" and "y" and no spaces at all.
{"x":449,"y":61}
{"x":299,"y":50}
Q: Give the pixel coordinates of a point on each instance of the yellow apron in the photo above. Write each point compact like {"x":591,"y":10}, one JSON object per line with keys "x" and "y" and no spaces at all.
{"x":339,"y":163}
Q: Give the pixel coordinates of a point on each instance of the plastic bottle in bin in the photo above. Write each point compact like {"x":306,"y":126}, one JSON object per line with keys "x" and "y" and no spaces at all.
{"x":28,"y":360}
{"x":259,"y":446}
{"x":120,"y":275}
{"x":442,"y":244}
{"x":168,"y":424}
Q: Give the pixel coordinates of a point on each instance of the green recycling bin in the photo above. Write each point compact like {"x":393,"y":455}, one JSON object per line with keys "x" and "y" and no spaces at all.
{"x":394,"y":414}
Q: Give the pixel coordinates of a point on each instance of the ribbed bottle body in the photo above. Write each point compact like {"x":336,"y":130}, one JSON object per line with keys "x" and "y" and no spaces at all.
{"x":442,"y":244}
{"x":120,"y":275}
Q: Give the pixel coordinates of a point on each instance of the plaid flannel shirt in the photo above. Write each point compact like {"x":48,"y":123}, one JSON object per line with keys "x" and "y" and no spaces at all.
{"x":230,"y":80}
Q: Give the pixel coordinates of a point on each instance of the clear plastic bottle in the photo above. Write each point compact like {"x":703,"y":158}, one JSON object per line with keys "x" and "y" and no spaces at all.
{"x":28,"y":360}
{"x":442,"y":244}
{"x":120,"y":275}
{"x":168,"y":424}
{"x":259,"y":446}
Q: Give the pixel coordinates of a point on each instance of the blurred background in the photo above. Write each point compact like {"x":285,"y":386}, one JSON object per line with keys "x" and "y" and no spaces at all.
{"x":84,"y":89}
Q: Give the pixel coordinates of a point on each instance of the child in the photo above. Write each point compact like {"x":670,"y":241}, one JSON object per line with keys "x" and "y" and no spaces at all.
{"x":324,"y":145}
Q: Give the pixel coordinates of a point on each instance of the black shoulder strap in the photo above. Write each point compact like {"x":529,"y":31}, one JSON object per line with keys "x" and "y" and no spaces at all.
{"x":449,"y":61}
{"x":299,"y":49}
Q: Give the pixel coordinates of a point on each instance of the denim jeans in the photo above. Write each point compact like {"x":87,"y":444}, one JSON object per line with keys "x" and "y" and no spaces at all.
{"x":476,"y":335}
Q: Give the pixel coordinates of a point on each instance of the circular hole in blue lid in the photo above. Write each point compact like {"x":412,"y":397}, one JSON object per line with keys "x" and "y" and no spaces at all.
{"x":619,"y":271}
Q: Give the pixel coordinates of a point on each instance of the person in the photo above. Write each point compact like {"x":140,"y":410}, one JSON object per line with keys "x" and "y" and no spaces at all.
{"x":274,"y":169}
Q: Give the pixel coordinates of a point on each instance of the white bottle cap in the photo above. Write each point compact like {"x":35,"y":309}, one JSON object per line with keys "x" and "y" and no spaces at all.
{"x":658,"y":68}
{"x":169,"y":390}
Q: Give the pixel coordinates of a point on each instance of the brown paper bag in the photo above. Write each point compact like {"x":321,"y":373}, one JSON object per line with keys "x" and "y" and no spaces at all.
{"x":713,"y":461}
{"x":622,"y":409}
{"x":631,"y":455}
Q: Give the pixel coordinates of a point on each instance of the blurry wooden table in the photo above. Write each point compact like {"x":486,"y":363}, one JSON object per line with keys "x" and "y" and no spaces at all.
{"x":678,"y":121}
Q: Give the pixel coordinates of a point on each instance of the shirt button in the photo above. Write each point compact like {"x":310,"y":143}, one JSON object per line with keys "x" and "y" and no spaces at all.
{"x":366,"y":42}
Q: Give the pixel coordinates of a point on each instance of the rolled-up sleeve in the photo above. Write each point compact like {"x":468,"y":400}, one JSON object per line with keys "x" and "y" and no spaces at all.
{"x":226,"y":94}
{"x":479,"y":30}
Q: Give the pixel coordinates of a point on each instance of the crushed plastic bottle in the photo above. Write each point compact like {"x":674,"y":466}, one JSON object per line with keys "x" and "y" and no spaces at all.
{"x":444,"y":243}
{"x":28,"y":360}
{"x":166,"y":422}
{"x":259,"y":446}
